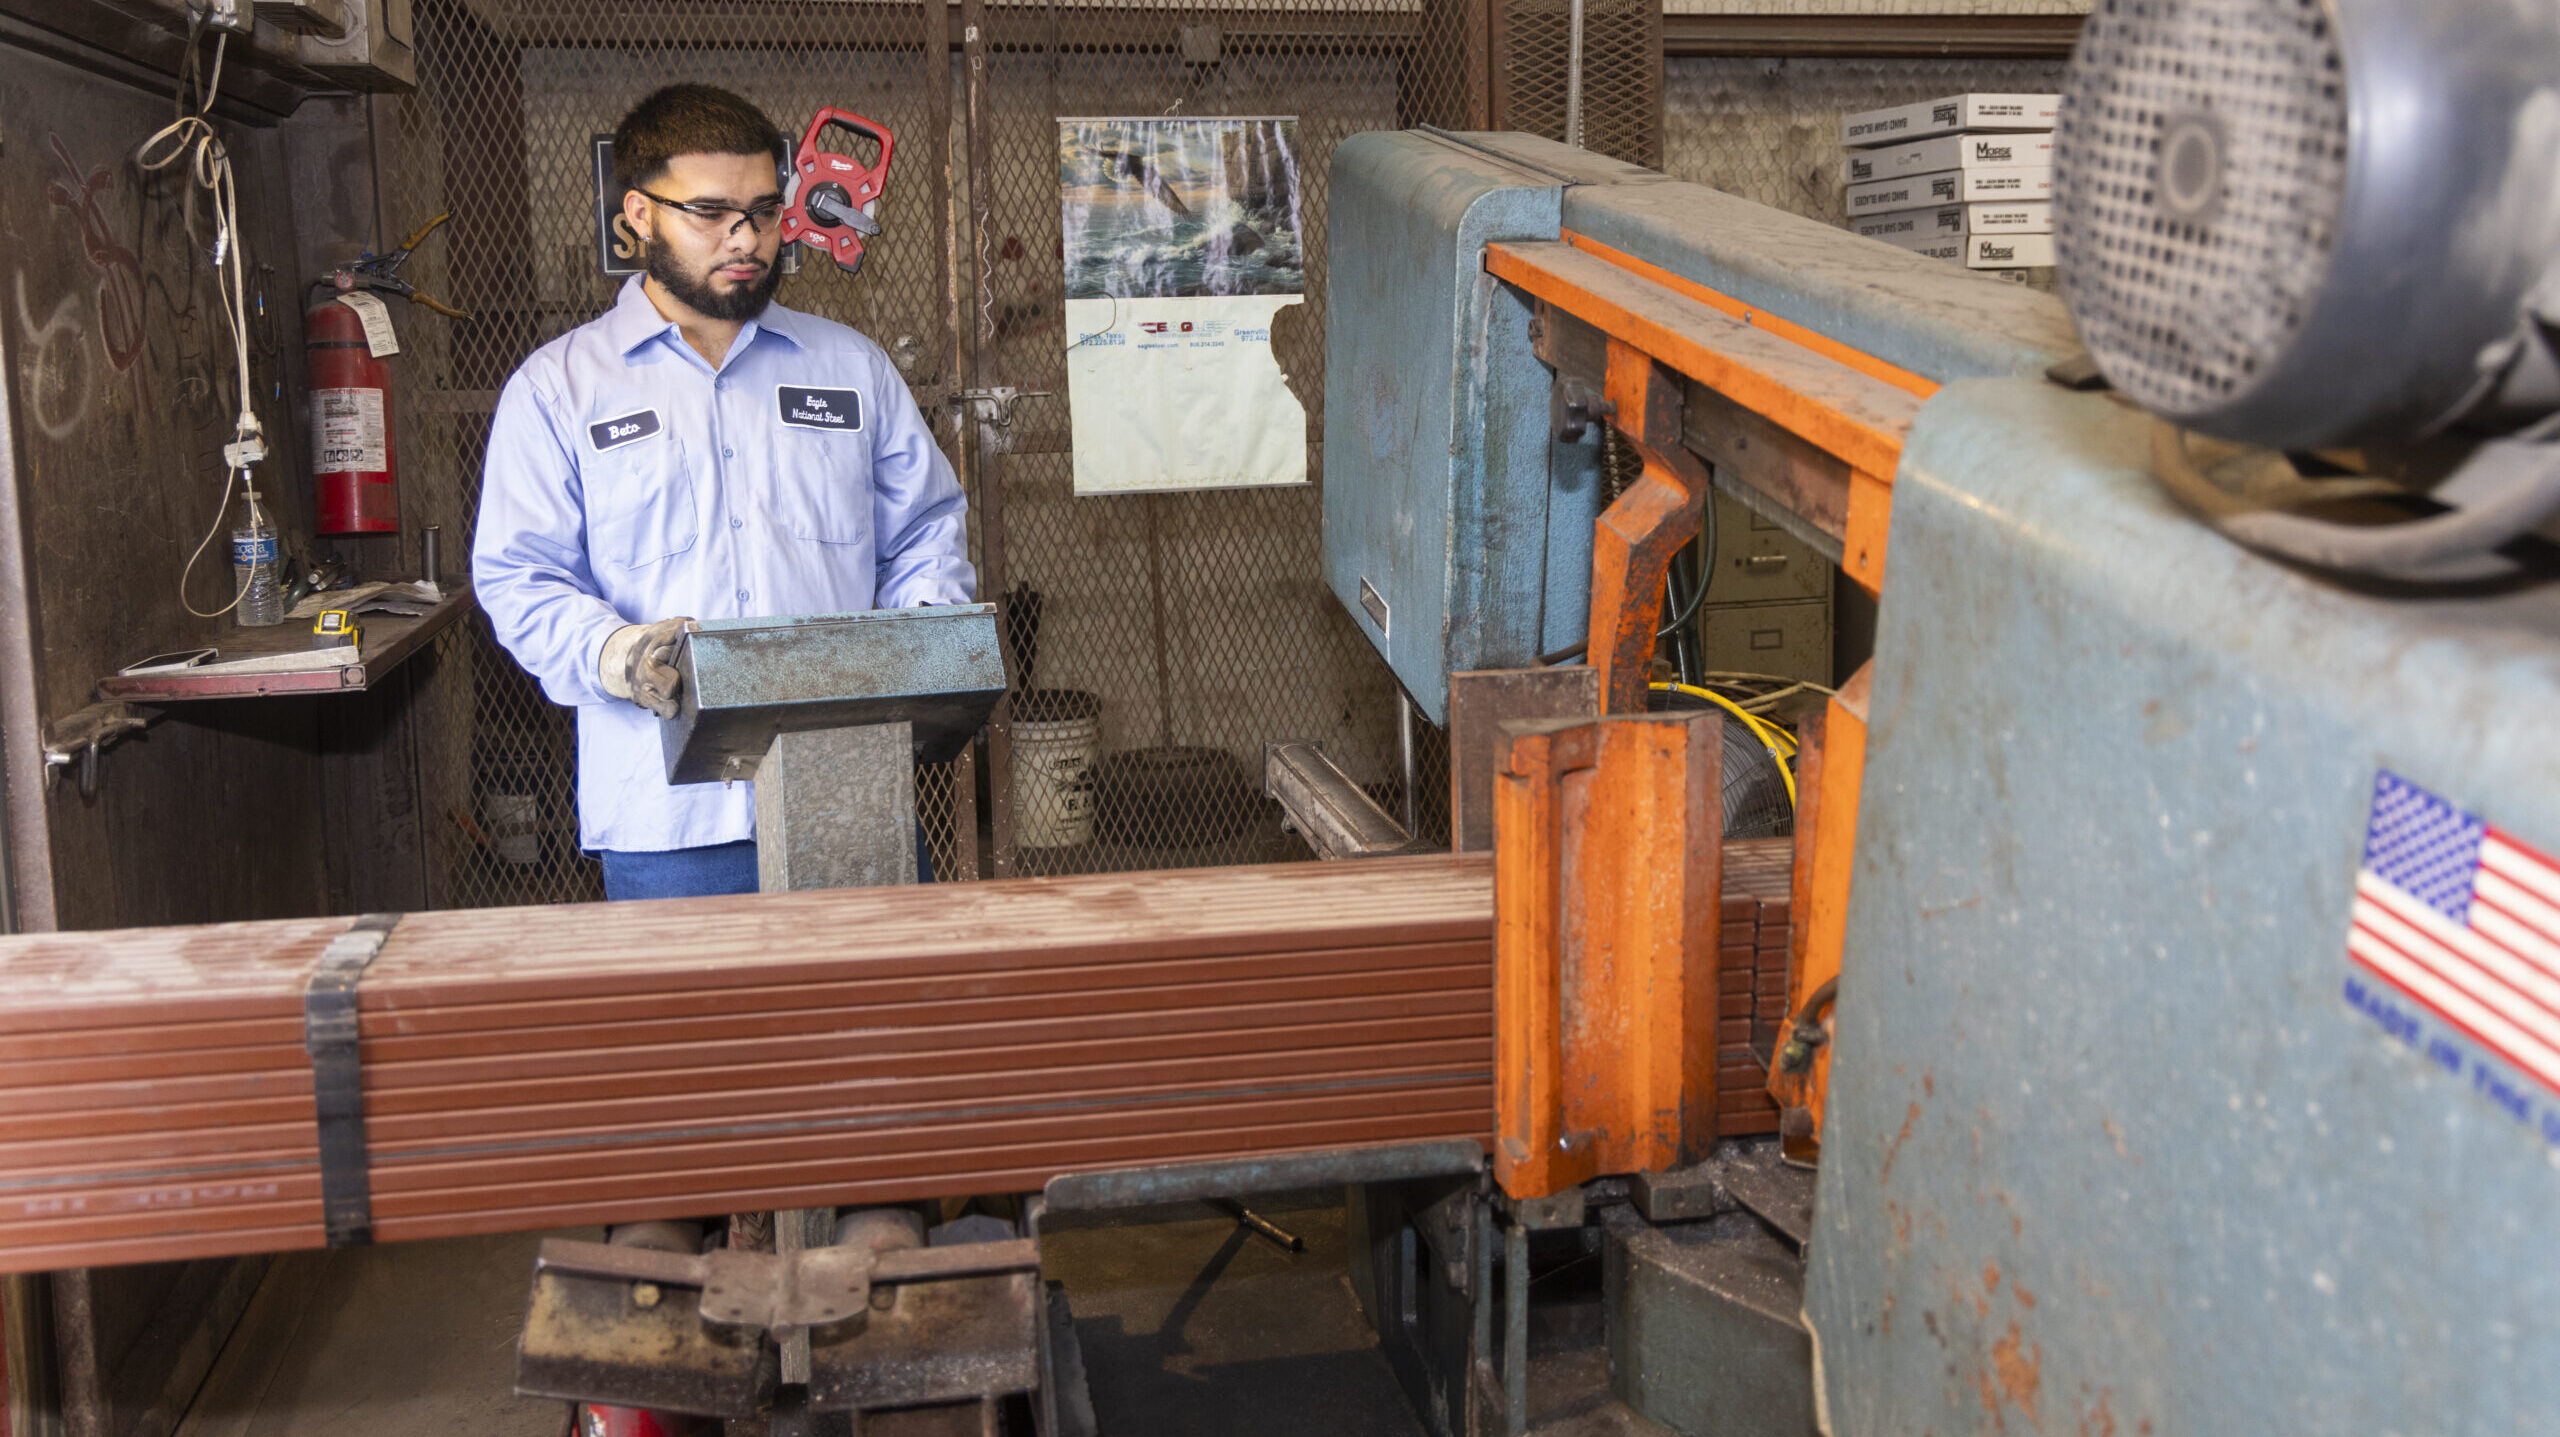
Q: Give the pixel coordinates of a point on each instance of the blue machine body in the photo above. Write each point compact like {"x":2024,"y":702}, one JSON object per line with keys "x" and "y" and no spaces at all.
{"x":1436,"y":474}
{"x":1457,"y":532}
{"x":2118,"y":1138}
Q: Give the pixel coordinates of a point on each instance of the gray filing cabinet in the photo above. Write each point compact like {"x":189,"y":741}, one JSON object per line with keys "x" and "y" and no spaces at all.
{"x":1768,"y":610}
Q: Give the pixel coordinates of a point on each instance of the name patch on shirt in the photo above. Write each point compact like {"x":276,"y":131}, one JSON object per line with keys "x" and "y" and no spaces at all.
{"x":820,"y":408}
{"x":629,"y":429}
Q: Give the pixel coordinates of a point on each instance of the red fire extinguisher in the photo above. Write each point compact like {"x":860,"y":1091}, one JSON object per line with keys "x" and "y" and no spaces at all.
{"x":352,"y":473}
{"x":346,"y":336}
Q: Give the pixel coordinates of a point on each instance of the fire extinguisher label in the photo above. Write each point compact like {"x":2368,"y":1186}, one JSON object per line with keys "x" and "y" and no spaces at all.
{"x":347,"y":434}
{"x":629,"y":429}
{"x":380,"y":339}
{"x":808,"y":408}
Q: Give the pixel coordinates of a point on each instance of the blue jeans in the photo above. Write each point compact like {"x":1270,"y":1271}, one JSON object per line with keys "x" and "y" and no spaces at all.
{"x":705,"y":872}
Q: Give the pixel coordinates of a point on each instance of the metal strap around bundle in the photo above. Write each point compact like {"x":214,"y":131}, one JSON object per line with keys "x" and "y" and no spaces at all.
{"x":329,"y":1034}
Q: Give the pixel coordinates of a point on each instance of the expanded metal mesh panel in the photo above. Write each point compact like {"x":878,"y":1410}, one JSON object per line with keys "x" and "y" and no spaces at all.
{"x":499,"y":131}
{"x":1198,"y":621}
{"x":2198,"y":169}
{"x":1769,"y":130}
{"x":1621,"y":79}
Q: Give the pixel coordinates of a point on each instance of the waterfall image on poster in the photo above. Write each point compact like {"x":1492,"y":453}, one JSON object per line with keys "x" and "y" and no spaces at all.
{"x":1181,"y":243}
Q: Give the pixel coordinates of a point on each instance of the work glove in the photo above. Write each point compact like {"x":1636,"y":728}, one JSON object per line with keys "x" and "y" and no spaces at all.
{"x":639,"y":664}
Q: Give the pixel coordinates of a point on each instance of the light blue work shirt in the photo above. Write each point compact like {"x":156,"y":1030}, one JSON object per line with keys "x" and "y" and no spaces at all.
{"x":629,"y":481}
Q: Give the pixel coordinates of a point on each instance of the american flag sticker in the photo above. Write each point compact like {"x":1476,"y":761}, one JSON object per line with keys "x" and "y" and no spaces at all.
{"x":2463,"y":920}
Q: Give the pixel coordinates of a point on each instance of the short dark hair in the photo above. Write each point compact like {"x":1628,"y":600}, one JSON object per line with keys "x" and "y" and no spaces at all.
{"x":689,"y":120}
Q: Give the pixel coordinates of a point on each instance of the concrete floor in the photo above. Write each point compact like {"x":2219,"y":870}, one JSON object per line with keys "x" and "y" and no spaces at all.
{"x":408,"y":1340}
{"x":1194,"y":1327}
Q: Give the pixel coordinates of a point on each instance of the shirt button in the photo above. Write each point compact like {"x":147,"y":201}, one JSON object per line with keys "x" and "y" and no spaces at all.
{"x":728,"y":453}
{"x":737,"y":523}
{"x":742,"y":596}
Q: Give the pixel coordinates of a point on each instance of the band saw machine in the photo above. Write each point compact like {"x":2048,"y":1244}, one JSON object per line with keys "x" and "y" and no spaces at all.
{"x":2147,"y":1024}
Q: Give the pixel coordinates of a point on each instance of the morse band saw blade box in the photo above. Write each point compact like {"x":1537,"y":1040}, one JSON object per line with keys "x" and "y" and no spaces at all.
{"x":2008,"y":251}
{"x":1952,"y":187}
{"x":1951,"y":152}
{"x":1948,"y":116}
{"x":1954,"y":222}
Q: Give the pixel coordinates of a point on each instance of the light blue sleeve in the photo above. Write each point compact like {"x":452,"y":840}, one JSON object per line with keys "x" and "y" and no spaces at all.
{"x":529,"y":554}
{"x":917,"y":509}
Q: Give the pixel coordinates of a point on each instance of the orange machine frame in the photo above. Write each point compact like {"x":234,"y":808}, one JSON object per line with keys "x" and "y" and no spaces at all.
{"x":1593,"y":1092}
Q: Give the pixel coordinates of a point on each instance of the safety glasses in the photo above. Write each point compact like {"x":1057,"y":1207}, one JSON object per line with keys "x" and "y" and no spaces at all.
{"x":710,"y":216}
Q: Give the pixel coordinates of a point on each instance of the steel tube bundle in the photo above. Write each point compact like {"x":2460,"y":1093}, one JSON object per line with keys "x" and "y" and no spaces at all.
{"x":1751,"y":954}
{"x":526,"y":1068}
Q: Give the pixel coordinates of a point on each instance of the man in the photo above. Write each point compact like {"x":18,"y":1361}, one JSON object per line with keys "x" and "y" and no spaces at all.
{"x":697,"y":452}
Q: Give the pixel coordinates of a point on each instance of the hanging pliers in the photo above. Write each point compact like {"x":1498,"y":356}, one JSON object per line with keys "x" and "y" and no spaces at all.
{"x":382,"y":272}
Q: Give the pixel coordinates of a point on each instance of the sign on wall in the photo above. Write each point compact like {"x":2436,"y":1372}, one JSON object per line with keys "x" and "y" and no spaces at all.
{"x":1181,"y":244}
{"x":617,"y":248}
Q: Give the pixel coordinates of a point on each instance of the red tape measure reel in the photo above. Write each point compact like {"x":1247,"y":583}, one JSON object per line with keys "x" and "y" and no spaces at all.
{"x":832,"y":196}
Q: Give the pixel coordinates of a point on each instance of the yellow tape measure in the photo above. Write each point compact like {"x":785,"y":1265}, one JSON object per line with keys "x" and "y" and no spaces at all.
{"x":335,"y":629}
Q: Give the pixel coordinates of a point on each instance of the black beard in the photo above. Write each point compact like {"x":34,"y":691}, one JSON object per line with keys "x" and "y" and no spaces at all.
{"x":697,"y":294}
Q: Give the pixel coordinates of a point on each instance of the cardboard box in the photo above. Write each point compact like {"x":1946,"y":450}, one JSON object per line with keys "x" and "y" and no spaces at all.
{"x":2006,"y":217}
{"x":1912,"y":227}
{"x":2008,"y":251}
{"x":1952,"y":187}
{"x":1947,"y":116}
{"x":1954,"y":222}
{"x":1951,"y":152}
{"x":1918,"y":239}
{"x":1935,"y":247}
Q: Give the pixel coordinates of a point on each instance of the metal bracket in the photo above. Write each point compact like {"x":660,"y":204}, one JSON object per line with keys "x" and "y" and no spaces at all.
{"x":223,"y":14}
{"x":1556,"y":1210}
{"x":1577,"y":406}
{"x":993,"y":406}
{"x":815,"y":1287}
{"x":1448,"y":1227}
{"x":1321,"y":804}
{"x":78,"y":736}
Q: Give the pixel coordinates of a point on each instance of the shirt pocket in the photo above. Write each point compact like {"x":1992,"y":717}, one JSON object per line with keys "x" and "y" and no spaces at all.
{"x":824,"y":488}
{"x":641,"y":506}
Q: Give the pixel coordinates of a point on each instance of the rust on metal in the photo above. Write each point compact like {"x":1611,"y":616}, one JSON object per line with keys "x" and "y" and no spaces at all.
{"x":1786,"y":329}
{"x":1479,"y":702}
{"x":1637,"y":535}
{"x":1856,"y":416}
{"x":1831,"y":767}
{"x":1607,"y":979}
{"x":1800,"y":476}
{"x":1870,"y":518}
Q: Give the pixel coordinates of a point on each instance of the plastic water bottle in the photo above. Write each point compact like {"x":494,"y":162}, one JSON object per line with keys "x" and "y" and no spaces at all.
{"x":253,"y":570}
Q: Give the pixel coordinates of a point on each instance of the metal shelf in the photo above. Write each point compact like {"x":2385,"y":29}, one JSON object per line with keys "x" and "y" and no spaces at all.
{"x":388,"y":640}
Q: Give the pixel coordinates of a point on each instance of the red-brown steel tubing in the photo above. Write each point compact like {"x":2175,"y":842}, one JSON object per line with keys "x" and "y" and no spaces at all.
{"x":536,"y":1067}
{"x":595,"y":1063}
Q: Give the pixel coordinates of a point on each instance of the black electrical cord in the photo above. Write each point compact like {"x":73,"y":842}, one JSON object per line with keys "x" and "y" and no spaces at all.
{"x":1702,"y":549}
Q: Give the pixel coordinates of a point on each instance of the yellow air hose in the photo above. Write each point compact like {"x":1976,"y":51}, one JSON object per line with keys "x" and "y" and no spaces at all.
{"x":1776,"y":740}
